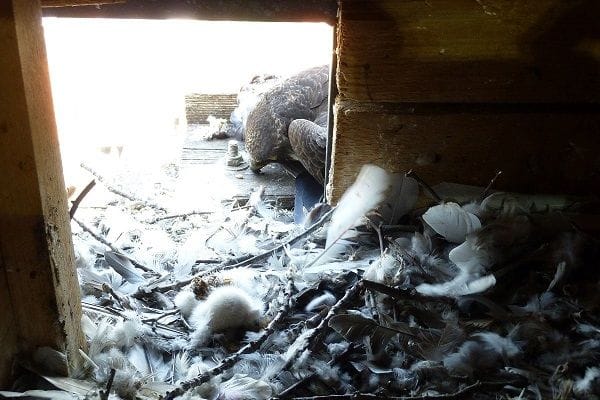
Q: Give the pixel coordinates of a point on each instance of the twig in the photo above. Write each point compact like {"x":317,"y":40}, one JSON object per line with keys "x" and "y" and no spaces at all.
{"x":142,"y":291}
{"x":95,"y":235}
{"x":350,"y":293}
{"x":123,"y":302}
{"x":405,"y":294}
{"x":160,"y":316}
{"x":156,"y":287}
{"x":286,"y":393}
{"x":367,"y":396}
{"x":487,"y":189}
{"x":424,"y":185}
{"x":104,"y":395}
{"x":119,"y":192}
{"x":109,"y":245}
{"x":114,"y":313}
{"x":251,"y":347}
{"x":378,"y":229}
{"x":157,"y":219}
{"x":77,"y":201}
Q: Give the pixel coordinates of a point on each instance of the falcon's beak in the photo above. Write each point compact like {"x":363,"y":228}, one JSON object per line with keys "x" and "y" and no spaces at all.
{"x":255,"y":166}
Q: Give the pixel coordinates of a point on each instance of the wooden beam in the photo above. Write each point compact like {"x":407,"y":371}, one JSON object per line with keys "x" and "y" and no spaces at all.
{"x":37,"y":273}
{"x":541,"y":149}
{"x":235,"y":10}
{"x":78,"y":3}
{"x":469,"y":51}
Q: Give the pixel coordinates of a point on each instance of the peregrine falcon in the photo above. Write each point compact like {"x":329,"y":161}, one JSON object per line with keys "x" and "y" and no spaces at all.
{"x":289,"y":123}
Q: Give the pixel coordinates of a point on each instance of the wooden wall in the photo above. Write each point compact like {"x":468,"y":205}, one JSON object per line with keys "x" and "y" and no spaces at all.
{"x":39,"y":293}
{"x":458,"y":89}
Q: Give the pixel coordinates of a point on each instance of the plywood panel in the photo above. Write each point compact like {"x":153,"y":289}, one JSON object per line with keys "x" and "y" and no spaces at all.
{"x":35,"y":237}
{"x":538,"y":149}
{"x":469,"y":51}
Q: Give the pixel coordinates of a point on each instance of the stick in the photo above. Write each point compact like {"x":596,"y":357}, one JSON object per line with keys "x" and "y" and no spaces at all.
{"x":405,"y":294}
{"x":487,"y":189}
{"x":424,"y":185}
{"x":377,"y":228}
{"x":110,"y":246}
{"x":114,"y":313}
{"x":124,"y":303}
{"x":105,"y":394}
{"x":367,"y":396}
{"x":95,"y":235}
{"x":119,"y":192}
{"x":79,"y":198}
{"x":286,"y":393}
{"x":350,"y":293}
{"x":157,"y":219}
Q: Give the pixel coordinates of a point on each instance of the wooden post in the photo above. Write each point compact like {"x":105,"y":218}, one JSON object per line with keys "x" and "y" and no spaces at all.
{"x":39,"y":293}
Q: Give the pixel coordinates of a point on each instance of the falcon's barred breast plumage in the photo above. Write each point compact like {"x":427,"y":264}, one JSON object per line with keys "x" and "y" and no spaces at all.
{"x":289,"y":123}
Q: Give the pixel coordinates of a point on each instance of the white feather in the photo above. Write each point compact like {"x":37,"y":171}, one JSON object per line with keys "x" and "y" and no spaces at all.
{"x":470,"y":258}
{"x":185,"y":301}
{"x":585,"y":386}
{"x":181,"y":366}
{"x":244,"y":387}
{"x":325,"y":299}
{"x":192,"y":249}
{"x":316,"y":272}
{"x":383,"y":269}
{"x":124,"y":333}
{"x":461,"y":285}
{"x":487,"y":350}
{"x":451,"y":221}
{"x":366,"y":193}
{"x":503,"y":346}
{"x":259,"y":366}
{"x":197,"y":368}
{"x":138,"y":358}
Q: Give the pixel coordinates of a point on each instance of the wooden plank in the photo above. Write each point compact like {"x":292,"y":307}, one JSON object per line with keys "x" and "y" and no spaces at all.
{"x":198,"y":106}
{"x":469,"y":51}
{"x":235,"y":10}
{"x":35,"y":236}
{"x":538,"y":149}
{"x":206,"y":160}
{"x":78,"y":3}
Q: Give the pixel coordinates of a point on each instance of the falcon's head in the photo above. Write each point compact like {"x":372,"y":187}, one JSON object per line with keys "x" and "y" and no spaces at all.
{"x":266,"y":139}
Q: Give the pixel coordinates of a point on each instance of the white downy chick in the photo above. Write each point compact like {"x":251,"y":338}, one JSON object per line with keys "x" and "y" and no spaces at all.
{"x":227,"y":307}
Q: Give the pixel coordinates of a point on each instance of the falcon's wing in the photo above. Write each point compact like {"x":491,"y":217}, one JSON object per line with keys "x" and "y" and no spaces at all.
{"x":309,"y":142}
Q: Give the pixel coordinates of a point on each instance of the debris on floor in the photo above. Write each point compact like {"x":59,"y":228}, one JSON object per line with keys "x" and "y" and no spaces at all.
{"x":491,"y":296}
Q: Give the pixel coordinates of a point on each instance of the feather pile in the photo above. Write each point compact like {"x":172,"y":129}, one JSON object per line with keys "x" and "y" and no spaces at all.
{"x":481,"y":299}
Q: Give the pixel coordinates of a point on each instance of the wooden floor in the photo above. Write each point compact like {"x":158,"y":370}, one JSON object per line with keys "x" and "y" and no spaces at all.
{"x":200,"y":157}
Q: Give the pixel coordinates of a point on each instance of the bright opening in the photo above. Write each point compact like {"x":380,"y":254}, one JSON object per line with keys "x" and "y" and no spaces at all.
{"x":122,"y":83}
